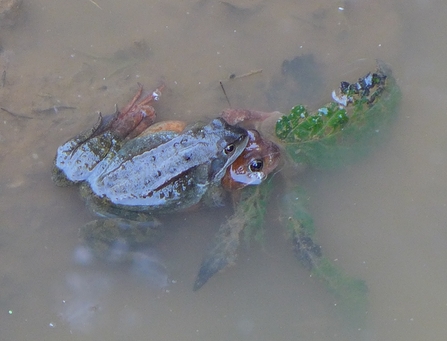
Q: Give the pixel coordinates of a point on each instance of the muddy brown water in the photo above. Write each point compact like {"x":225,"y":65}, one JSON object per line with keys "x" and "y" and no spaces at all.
{"x":383,"y":220}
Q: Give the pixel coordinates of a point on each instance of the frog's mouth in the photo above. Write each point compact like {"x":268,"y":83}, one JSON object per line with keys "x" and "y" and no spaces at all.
{"x":220,"y":165}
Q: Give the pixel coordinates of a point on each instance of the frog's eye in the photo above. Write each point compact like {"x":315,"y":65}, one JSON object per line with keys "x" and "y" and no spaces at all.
{"x":229,"y":149}
{"x":256,"y":165}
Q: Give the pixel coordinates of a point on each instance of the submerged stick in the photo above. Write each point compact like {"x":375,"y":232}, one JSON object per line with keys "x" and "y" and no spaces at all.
{"x":54,"y":109}
{"x":225,"y":93}
{"x":15,"y":114}
{"x":94,"y":3}
{"x":251,"y":73}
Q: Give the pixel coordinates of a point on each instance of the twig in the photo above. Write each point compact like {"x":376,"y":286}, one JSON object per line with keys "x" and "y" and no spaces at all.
{"x":223,"y":89}
{"x":94,"y":3}
{"x":16,"y":115}
{"x":251,"y":73}
{"x":53,"y":109}
{"x":234,"y":76}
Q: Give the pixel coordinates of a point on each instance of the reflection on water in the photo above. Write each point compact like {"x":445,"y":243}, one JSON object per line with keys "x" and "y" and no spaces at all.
{"x":86,"y":298}
{"x":146,"y":265}
{"x":383,"y":220}
{"x":150,"y":269}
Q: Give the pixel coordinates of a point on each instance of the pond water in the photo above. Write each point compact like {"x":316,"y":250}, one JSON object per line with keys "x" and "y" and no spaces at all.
{"x":383,"y":220}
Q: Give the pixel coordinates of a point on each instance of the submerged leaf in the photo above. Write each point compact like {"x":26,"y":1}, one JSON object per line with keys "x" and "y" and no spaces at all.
{"x":336,"y":134}
{"x":248,"y":217}
{"x":349,"y":292}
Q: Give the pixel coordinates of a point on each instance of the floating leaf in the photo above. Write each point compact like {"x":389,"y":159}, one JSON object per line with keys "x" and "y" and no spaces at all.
{"x":334,"y":135}
{"x":345,"y":130}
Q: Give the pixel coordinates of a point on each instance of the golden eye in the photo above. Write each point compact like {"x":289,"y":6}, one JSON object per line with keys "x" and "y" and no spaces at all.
{"x":256,"y":165}
{"x":229,"y":149}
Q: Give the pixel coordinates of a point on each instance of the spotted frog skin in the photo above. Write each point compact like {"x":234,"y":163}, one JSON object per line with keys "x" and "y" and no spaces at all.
{"x":77,"y":158}
{"x":259,"y":158}
{"x":166,"y":172}
{"x":156,"y":172}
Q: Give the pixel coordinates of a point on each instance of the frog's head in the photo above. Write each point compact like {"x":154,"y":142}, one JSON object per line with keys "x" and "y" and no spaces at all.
{"x":259,"y":158}
{"x":230,"y":145}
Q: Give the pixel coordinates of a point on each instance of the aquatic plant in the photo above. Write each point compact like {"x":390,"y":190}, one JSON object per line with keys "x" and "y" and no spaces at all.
{"x":335,"y":135}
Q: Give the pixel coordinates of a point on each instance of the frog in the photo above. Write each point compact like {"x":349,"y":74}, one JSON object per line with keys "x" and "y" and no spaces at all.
{"x":130,"y":170}
{"x":162,"y":171}
{"x":167,"y":172}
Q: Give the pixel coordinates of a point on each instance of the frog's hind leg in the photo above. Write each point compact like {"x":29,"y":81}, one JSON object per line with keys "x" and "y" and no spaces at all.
{"x":136,"y":116}
{"x":135,"y":98}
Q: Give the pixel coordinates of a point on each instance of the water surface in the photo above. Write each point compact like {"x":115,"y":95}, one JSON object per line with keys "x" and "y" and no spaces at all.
{"x":383,"y":220}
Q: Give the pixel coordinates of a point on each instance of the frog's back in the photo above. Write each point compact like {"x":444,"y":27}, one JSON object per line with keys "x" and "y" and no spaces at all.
{"x":175,"y":173}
